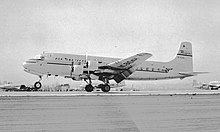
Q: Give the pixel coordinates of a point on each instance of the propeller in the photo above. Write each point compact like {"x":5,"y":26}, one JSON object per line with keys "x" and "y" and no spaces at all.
{"x":72,"y":69}
{"x":87,"y":63}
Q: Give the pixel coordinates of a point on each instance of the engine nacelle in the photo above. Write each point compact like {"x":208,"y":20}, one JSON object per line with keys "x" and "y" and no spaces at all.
{"x":94,"y":77}
{"x":92,"y":65}
{"x":77,"y":69}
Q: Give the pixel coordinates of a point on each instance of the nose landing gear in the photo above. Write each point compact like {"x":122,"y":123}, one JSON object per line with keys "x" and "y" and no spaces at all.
{"x":38,"y":85}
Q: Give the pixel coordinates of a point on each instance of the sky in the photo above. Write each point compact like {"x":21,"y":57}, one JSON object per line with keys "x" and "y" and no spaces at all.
{"x":112,"y":28}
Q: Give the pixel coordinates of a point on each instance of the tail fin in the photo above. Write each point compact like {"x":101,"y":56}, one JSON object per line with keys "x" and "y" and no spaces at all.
{"x":183,"y":62}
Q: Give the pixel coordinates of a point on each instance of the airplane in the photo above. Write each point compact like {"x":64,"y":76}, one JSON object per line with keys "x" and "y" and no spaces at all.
{"x":88,"y":68}
{"x":200,"y":85}
{"x":213,"y":85}
{"x":14,"y":87}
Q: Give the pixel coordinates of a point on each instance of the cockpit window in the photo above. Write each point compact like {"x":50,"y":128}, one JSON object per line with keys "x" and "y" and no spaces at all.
{"x":39,"y":57}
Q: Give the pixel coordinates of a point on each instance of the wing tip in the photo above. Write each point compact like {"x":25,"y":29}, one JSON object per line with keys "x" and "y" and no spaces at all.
{"x":143,"y":54}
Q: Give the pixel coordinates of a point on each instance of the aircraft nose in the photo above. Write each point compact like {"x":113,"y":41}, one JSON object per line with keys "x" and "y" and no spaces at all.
{"x":24,"y":65}
{"x":27,"y":64}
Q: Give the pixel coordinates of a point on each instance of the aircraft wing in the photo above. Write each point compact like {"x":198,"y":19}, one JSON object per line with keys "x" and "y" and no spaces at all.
{"x":130,"y":62}
{"x":121,"y":69}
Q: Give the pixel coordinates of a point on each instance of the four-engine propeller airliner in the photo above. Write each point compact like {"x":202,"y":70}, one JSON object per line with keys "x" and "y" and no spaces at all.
{"x":87,"y":68}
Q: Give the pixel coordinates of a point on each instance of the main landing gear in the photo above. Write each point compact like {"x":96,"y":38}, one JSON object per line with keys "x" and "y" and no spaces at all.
{"x":104,"y":87}
{"x":89,"y":87}
{"x":38,"y":85}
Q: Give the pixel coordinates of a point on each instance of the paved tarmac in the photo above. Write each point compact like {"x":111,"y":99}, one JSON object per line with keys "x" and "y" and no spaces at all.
{"x":114,"y":93}
{"x":99,"y":112}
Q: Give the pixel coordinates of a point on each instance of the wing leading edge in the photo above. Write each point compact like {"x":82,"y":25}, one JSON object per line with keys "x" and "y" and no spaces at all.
{"x":129,"y":62}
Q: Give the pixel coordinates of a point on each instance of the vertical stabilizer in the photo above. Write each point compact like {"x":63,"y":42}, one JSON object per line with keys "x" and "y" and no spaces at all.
{"x":183,"y":62}
{"x":185,"y":49}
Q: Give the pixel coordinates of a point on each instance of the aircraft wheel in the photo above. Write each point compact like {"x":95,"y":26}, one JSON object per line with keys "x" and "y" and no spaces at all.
{"x":89,"y":88}
{"x":106,"y":88}
{"x":37,"y":85}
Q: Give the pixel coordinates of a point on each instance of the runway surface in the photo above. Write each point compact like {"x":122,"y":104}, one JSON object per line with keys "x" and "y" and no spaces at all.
{"x":115,"y":93}
{"x":101,"y":113}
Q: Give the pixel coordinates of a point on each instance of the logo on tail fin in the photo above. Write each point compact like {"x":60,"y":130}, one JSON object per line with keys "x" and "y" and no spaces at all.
{"x":185,"y":49}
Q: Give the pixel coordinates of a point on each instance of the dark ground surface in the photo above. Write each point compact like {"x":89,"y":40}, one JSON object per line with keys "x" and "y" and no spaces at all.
{"x":111,"y":113}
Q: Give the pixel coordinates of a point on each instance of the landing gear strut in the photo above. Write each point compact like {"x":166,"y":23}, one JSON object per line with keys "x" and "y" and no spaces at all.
{"x":105,"y":87}
{"x":89,"y":87}
{"x":38,"y":85}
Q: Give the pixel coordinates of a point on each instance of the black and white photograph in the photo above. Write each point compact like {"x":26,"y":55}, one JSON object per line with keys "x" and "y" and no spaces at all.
{"x":109,"y":66}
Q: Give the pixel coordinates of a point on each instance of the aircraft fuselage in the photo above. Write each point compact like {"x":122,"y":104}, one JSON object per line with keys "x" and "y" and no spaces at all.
{"x":60,"y":65}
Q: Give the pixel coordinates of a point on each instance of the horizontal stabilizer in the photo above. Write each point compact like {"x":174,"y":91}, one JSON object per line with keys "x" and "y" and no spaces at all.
{"x":192,"y":73}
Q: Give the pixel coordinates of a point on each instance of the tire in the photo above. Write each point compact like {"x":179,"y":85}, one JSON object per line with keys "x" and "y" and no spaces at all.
{"x":89,"y":88}
{"x":37,"y":85}
{"x":106,"y":88}
{"x":22,"y":87}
